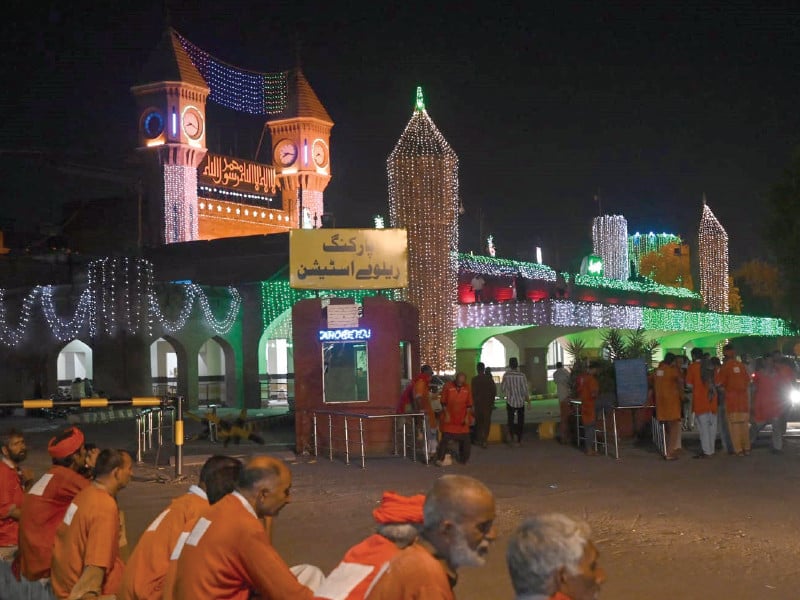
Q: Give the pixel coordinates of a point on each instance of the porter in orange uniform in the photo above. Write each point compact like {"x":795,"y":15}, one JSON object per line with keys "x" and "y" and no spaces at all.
{"x":86,"y":552}
{"x":44,"y":505}
{"x":700,"y":377}
{"x":228,"y":554}
{"x":147,"y":567}
{"x":458,"y":529}
{"x":588,"y":390}
{"x":398,"y":519}
{"x":12,"y":486}
{"x":456,"y":418}
{"x":667,"y":386}
{"x":735,"y":381}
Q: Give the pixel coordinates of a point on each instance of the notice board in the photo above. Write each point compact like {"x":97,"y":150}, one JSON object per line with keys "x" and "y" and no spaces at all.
{"x":631,"y":382}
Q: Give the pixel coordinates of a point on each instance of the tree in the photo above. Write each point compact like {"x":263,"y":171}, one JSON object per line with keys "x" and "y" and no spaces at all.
{"x":782,"y":231}
{"x":734,"y":297}
{"x":669,"y":265}
{"x":759,"y":285}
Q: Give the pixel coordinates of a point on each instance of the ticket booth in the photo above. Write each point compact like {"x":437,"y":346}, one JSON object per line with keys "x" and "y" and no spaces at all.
{"x":352,"y":358}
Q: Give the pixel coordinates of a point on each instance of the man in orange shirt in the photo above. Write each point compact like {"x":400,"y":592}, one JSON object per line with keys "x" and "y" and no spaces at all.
{"x":700,"y":378}
{"x":44,"y":505}
{"x":13,"y":483}
{"x":147,"y":567}
{"x":551,"y":557}
{"x":399,"y":518}
{"x":588,"y":389}
{"x":458,"y":529}
{"x":86,"y":561}
{"x":735,"y":381}
{"x":228,"y":553}
{"x":668,"y":388}
{"x":457,"y":416}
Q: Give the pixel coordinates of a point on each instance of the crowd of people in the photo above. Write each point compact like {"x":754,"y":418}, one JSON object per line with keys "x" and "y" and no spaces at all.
{"x":63,"y":536}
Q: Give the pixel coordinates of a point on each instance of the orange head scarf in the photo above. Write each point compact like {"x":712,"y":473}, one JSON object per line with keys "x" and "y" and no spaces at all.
{"x":395,"y":508}
{"x":68,"y":446}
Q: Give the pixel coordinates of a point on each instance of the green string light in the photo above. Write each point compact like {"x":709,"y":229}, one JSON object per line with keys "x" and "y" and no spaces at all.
{"x":420,"y":105}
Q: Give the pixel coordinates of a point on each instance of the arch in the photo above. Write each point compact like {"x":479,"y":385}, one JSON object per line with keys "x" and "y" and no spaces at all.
{"x":73,"y":360}
{"x":276,"y":361}
{"x":216,"y":372}
{"x":168,"y":369}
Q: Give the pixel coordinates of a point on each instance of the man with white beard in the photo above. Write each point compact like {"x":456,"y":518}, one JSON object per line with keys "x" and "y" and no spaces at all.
{"x":458,"y":529}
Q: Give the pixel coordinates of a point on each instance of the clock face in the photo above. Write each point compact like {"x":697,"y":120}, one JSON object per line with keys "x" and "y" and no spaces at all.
{"x":193,"y":123}
{"x":152,"y":124}
{"x":319,"y":151}
{"x":285,"y":153}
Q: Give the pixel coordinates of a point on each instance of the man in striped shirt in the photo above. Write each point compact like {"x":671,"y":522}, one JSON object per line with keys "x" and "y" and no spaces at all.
{"x":515,"y":392}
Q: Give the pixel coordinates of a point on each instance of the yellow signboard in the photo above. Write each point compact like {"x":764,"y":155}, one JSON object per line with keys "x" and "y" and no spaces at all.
{"x":348,"y":259}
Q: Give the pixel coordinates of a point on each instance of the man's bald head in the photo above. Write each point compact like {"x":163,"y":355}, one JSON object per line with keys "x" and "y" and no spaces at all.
{"x":266,"y":482}
{"x":451,"y":496}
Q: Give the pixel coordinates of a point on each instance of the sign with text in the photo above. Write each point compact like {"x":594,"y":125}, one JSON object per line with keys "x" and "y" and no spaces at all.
{"x":344,"y":335}
{"x":235,"y":173}
{"x":348,"y":259}
{"x":631,"y":381}
{"x":342,"y":315}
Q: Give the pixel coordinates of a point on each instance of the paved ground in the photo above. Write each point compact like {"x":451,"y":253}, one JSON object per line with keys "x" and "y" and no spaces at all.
{"x":722,"y":528}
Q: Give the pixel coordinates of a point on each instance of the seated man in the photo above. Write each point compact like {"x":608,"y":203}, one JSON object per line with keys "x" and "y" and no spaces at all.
{"x":457,"y":531}
{"x":44,"y":505}
{"x":147,"y":568}
{"x":86,"y":560}
{"x":228,"y":553}
{"x":550,"y":557}
{"x":398,"y":519}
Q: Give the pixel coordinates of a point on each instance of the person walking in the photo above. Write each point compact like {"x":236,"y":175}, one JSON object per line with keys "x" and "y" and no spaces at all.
{"x":515,"y":392}
{"x":700,"y":379}
{"x":561,"y":377}
{"x":484,"y":391}
{"x":457,"y":416}
{"x":768,"y":403}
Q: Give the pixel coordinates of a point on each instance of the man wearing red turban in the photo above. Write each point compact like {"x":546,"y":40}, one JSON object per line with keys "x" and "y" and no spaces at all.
{"x":398,"y":518}
{"x":45,"y":504}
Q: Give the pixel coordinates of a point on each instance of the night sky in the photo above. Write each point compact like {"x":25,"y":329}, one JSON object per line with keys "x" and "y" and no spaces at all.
{"x":545,"y":106}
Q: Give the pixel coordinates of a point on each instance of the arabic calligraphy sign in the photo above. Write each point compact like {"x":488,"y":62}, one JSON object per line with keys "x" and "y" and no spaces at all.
{"x":243,"y":175}
{"x":348,"y":259}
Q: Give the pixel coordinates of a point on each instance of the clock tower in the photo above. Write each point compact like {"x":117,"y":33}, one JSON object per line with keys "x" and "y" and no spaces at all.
{"x":301,"y":152}
{"x":171,"y":103}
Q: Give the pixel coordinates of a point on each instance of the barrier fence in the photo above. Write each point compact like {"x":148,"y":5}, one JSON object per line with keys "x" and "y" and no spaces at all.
{"x":408,"y":431}
{"x":148,"y":421}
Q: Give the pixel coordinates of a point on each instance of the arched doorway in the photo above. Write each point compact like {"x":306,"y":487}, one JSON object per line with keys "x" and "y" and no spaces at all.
{"x":167,"y":361}
{"x":74,"y":362}
{"x":216,"y":370}
{"x":276,"y":362}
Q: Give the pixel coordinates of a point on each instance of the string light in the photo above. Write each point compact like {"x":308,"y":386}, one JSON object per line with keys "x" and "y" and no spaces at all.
{"x":610,"y":241}
{"x":639,"y":245}
{"x":239,"y":89}
{"x":379,"y":223}
{"x":643,"y":285}
{"x":490,"y":249}
{"x":504,"y":267}
{"x":566,"y":313}
{"x":423,"y":199}
{"x":713,"y":249}
{"x":180,"y":204}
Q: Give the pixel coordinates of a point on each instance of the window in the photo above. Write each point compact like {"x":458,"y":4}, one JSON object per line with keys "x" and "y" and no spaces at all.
{"x":345,"y":373}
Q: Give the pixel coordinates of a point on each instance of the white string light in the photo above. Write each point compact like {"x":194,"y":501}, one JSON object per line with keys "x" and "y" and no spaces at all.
{"x":423,"y":199}
{"x":713,"y":250}
{"x":180,"y":204}
{"x":610,"y":241}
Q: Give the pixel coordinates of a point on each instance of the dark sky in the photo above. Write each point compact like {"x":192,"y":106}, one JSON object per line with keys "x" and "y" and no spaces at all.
{"x":545,"y":105}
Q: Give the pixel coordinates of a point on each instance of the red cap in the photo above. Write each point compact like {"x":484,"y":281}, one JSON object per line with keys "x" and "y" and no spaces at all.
{"x":67,"y":446}
{"x":395,"y":508}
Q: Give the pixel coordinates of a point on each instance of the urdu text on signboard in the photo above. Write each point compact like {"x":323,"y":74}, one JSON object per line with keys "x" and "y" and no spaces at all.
{"x":348,"y":259}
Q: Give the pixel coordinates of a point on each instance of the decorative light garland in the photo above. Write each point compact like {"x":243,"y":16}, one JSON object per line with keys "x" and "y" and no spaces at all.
{"x":610,"y":241}
{"x":504,"y":267}
{"x":423,"y":199}
{"x":639,"y":245}
{"x":192,"y":293}
{"x":490,"y":249}
{"x":713,"y":250}
{"x":565,"y":313}
{"x":239,"y":89}
{"x":643,"y":285}
{"x":180,"y":204}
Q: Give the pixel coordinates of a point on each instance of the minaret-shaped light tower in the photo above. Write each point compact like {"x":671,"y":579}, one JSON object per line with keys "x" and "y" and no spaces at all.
{"x":610,"y":241}
{"x":713,"y":251}
{"x":423,"y":199}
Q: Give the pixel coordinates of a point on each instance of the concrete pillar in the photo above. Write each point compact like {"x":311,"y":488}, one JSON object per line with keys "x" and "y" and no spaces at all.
{"x":535,"y":368}
{"x":188,"y":377}
{"x":122,"y":366}
{"x":252,"y":329}
{"x":466,"y":359}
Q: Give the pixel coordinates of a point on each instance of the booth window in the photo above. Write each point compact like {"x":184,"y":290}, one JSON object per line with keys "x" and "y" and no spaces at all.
{"x":405,"y":361}
{"x":345,"y":372}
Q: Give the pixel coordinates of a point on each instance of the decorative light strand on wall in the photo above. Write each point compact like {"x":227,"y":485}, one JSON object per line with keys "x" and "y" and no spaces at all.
{"x":423,"y":199}
{"x":643,"y":285}
{"x":192,"y":293}
{"x":641,"y":244}
{"x":713,"y":251}
{"x":504,"y":267}
{"x":180,"y":204}
{"x":610,"y":241}
{"x":236,"y":88}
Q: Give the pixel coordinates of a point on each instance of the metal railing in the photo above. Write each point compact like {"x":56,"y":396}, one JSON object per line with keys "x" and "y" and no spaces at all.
{"x":404,"y":424}
{"x":151,"y":421}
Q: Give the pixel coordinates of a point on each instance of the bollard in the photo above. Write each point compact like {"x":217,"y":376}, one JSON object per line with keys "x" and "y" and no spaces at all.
{"x":178,"y":436}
